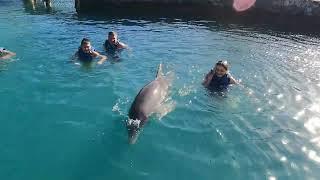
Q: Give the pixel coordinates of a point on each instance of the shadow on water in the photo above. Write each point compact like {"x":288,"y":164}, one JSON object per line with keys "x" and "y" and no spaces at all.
{"x":3,"y":65}
{"x":254,"y":19}
{"x":210,"y":16}
{"x":87,"y":66}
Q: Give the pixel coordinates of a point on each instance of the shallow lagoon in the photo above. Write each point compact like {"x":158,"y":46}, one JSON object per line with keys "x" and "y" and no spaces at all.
{"x":62,"y":121}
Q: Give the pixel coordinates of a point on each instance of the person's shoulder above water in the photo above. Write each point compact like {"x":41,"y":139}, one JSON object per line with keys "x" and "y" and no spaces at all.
{"x":86,"y":53}
{"x":6,"y":54}
{"x":112,"y":42}
{"x":122,"y":45}
{"x":219,"y":77}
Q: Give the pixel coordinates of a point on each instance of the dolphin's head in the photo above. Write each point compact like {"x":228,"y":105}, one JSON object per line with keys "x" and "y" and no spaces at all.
{"x":133,"y":127}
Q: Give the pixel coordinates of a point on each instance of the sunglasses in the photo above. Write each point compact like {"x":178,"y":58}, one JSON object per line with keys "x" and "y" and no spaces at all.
{"x":223,"y":64}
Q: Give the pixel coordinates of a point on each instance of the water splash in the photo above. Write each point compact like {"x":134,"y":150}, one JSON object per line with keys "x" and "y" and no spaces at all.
{"x":120,"y":105}
{"x":186,"y":90}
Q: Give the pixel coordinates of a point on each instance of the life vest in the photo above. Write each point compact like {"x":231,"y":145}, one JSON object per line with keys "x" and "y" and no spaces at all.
{"x":219,"y":83}
{"x":85,"y":57}
{"x":110,"y":48}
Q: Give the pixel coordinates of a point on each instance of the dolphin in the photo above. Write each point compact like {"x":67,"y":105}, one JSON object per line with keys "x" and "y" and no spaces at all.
{"x":148,"y":100}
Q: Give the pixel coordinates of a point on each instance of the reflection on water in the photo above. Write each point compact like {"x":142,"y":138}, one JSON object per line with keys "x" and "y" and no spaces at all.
{"x":34,"y":6}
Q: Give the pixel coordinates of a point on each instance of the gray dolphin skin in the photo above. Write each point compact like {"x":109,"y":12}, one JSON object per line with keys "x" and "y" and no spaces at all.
{"x":148,"y":100}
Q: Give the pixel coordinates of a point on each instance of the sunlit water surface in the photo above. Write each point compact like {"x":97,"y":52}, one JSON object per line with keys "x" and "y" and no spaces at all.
{"x":63,"y":121}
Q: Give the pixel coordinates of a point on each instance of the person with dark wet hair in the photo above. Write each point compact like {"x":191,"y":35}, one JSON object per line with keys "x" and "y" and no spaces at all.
{"x":112,"y":43}
{"x":6,"y":54}
{"x":219,"y":78}
{"x":86,"y":53}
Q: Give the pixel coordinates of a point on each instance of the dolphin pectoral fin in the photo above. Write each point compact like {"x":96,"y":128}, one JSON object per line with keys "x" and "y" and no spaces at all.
{"x":159,"y":71}
{"x":169,"y":77}
{"x":165,"y":108}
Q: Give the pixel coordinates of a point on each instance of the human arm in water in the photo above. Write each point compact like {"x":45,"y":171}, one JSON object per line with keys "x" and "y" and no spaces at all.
{"x":75,"y":56}
{"x":233,"y":80}
{"x":208,"y":78}
{"x":6,"y":54}
{"x":103,"y":58}
{"x":122,"y":45}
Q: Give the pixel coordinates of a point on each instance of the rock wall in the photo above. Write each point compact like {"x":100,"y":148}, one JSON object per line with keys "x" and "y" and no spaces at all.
{"x":288,"y":7}
{"x":291,"y":7}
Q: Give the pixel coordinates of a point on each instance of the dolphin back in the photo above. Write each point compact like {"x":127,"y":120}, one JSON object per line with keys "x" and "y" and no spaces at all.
{"x":146,"y":102}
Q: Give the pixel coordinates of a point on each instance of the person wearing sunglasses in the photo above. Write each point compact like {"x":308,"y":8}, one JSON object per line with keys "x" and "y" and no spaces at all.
{"x":219,"y":78}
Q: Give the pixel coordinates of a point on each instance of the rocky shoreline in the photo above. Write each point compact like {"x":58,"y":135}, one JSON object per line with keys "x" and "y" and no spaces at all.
{"x":310,"y":8}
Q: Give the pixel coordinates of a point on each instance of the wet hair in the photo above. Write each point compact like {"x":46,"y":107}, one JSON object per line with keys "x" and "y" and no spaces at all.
{"x":224,"y":64}
{"x":112,"y":33}
{"x":2,"y":51}
{"x":85,"y":41}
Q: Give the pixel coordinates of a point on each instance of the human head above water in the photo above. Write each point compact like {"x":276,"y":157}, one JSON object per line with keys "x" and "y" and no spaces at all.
{"x":224,"y":64}
{"x":113,"y":37}
{"x":221,"y":68}
{"x":2,"y":52}
{"x":85,"y":45}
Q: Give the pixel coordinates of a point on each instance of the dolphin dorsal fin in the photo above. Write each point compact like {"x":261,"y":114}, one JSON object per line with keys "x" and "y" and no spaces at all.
{"x":159,"y":72}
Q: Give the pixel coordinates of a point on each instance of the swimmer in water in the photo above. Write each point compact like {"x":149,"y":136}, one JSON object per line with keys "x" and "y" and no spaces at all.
{"x":86,"y":53}
{"x":112,"y":45}
{"x":219,"y":78}
{"x":6,"y":54}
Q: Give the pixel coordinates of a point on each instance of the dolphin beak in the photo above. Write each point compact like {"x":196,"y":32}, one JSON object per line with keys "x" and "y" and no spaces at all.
{"x":133,"y":130}
{"x":133,"y":136}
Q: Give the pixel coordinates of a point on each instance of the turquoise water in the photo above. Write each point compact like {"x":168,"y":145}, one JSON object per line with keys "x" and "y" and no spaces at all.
{"x":63,"y":121}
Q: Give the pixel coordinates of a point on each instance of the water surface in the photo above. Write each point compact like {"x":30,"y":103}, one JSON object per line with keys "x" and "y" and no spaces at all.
{"x":63,"y":121}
